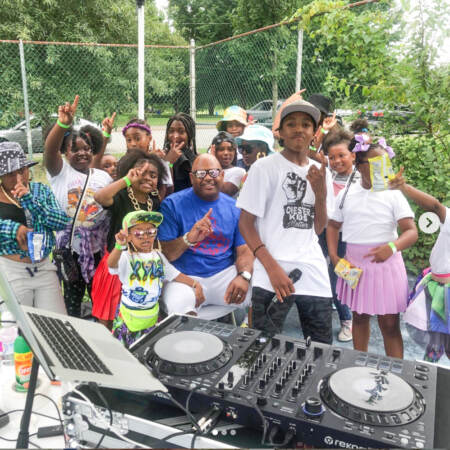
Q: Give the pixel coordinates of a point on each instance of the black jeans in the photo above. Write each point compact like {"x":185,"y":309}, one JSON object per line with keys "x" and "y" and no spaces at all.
{"x":315,"y":314}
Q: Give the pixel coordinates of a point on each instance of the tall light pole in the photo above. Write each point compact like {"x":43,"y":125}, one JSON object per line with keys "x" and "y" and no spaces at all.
{"x":141,"y":57}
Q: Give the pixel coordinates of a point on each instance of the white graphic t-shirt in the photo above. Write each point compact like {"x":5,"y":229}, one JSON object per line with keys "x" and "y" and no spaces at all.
{"x":142,"y":276}
{"x":277,"y":192}
{"x":68,"y":187}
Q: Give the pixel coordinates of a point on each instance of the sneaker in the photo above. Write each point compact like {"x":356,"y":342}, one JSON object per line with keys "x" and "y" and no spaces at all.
{"x":345,"y":334}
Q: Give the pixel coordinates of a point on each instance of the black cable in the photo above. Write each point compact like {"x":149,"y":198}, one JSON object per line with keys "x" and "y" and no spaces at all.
{"x":54,"y":404}
{"x":33,"y":412}
{"x":268,"y":315}
{"x":95,"y":387}
{"x":264,"y":423}
{"x":32,"y":443}
{"x":194,"y":437}
{"x":178,"y":433}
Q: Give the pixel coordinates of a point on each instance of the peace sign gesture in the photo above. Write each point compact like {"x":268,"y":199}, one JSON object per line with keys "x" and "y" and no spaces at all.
{"x":157,"y":151}
{"x":317,"y":179}
{"x":108,"y":123}
{"x":66,"y":112}
{"x":329,"y":122}
{"x":175,"y":152}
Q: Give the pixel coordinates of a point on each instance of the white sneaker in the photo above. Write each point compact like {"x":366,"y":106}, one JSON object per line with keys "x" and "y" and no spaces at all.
{"x":345,"y":334}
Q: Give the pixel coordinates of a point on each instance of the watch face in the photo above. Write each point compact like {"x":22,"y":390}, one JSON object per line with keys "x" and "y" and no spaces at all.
{"x":246,"y":275}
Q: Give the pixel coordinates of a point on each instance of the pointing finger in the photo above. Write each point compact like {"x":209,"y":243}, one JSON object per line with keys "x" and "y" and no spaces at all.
{"x":75,"y":103}
{"x":208,"y":213}
{"x":113,"y":117}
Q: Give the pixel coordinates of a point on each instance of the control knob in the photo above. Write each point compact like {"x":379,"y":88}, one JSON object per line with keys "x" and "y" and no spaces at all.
{"x":313,"y":407}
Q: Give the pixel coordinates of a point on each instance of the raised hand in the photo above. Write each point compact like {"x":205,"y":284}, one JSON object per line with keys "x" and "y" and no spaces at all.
{"x":66,"y":112}
{"x":399,"y":181}
{"x":20,"y":190}
{"x":317,"y":179}
{"x":108,"y":123}
{"x":174,"y":153}
{"x":329,"y":122}
{"x":134,"y":175}
{"x":21,"y":237}
{"x":201,"y":229}
{"x":157,"y":151}
{"x":122,"y":236}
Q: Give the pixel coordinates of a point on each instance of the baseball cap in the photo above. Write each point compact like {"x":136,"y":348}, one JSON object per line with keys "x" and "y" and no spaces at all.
{"x":232,"y":113}
{"x":137,"y":217}
{"x":257,"y":133}
{"x":301,"y":106}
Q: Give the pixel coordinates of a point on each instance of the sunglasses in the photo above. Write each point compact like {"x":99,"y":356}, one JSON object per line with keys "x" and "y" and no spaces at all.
{"x":247,"y":148}
{"x":213,"y":173}
{"x":140,"y":234}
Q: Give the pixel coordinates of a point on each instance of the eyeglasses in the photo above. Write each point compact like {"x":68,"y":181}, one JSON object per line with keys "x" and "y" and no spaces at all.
{"x":213,"y":173}
{"x":140,"y":234}
{"x":247,"y":148}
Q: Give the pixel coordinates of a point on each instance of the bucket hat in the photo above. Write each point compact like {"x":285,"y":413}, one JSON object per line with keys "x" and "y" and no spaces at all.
{"x":12,"y":158}
{"x":232,"y":113}
{"x":257,"y":133}
{"x":137,"y":217}
{"x":322,"y":103}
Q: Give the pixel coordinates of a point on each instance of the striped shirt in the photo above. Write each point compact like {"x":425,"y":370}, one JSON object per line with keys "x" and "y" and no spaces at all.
{"x":42,"y":210}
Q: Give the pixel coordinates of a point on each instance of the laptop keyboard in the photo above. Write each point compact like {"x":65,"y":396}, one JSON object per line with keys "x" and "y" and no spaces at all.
{"x":71,"y":349}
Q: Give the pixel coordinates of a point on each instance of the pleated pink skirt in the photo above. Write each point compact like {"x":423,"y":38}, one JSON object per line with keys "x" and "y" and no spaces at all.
{"x":382,"y":288}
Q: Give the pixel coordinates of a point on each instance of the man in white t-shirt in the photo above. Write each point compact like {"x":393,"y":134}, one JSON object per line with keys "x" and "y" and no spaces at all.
{"x":284,"y":204}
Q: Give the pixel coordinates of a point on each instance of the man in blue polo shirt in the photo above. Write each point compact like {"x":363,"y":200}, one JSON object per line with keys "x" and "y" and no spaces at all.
{"x":200,"y":237}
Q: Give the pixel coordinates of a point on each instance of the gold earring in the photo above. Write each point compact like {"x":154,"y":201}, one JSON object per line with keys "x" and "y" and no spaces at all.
{"x":260,"y":155}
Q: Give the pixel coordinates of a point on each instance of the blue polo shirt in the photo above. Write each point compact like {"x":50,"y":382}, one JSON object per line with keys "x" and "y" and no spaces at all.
{"x":216,"y":252}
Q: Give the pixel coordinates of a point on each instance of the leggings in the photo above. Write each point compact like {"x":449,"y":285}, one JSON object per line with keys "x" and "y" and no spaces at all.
{"x":74,"y":292}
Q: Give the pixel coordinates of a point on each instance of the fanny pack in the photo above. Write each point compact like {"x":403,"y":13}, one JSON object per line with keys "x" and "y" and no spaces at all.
{"x":139,"y":319}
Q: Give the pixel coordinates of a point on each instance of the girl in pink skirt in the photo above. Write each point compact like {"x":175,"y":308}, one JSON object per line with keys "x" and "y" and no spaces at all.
{"x":369,"y":221}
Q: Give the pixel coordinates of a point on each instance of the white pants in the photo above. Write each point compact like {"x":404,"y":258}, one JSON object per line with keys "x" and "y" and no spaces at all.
{"x":35,"y":284}
{"x":179,"y":298}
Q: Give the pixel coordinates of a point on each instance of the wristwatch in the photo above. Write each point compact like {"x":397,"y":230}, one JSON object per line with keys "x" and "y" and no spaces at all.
{"x":187,"y":242}
{"x":247,"y":276}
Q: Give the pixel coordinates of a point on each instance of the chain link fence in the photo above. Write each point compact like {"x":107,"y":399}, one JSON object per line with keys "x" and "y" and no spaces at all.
{"x":250,"y":70}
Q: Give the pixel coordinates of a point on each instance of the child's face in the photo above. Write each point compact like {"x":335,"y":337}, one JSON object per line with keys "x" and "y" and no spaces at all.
{"x":363,"y":165}
{"x":234,"y":127}
{"x":177,"y":133}
{"x":341,"y":158}
{"x":148,"y":180}
{"x":142,"y":237}
{"x":225,"y":153}
{"x":80,"y":156}
{"x":137,"y":139}
{"x":109,"y":165}
{"x":251,"y":151}
{"x":297,"y":132}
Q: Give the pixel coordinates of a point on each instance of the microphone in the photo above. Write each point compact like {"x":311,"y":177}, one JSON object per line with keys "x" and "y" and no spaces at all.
{"x":294,"y":276}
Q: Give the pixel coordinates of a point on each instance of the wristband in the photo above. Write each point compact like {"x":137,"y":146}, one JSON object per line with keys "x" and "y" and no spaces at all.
{"x":393,"y":247}
{"x":127,"y":181}
{"x":312,"y":148}
{"x":62,"y":125}
{"x":187,"y":242}
{"x":107,"y":135}
{"x":324,"y":131}
{"x":120,"y":247}
{"x":257,"y":248}
{"x":170,"y":165}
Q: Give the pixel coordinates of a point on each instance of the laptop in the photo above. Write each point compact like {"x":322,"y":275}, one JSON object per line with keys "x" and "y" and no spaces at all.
{"x":76,"y":350}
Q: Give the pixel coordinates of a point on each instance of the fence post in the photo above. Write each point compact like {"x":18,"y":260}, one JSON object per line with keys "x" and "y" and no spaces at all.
{"x":25,"y":98}
{"x":193,"y":110}
{"x":141,"y":59}
{"x":298,"y":74}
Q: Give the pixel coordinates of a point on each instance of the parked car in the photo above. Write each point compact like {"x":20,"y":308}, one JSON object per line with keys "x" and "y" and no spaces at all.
{"x":18,"y":133}
{"x":262,"y":111}
{"x":400,"y":115}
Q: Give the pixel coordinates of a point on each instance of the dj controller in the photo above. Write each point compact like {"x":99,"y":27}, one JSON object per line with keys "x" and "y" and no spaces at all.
{"x":318,"y":394}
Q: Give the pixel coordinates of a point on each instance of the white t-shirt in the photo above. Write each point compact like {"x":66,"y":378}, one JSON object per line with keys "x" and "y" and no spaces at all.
{"x":277,"y":192}
{"x":234,"y":175}
{"x":68,"y":186}
{"x":142,"y":276}
{"x":440,"y":255}
{"x":370,"y":217}
{"x":167,"y":176}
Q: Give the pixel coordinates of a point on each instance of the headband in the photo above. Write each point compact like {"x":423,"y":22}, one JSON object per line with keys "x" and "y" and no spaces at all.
{"x":136,"y":125}
{"x":363,"y":144}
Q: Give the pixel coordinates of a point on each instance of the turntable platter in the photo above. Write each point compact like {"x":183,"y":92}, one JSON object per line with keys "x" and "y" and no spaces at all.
{"x":188,"y":347}
{"x":371,"y":389}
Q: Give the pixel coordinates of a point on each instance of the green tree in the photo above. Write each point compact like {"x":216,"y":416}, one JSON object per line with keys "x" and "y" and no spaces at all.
{"x":203,"y":20}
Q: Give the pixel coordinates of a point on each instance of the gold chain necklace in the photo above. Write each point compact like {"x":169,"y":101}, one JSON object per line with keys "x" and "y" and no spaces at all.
{"x":136,"y":203}
{"x":10,"y":199}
